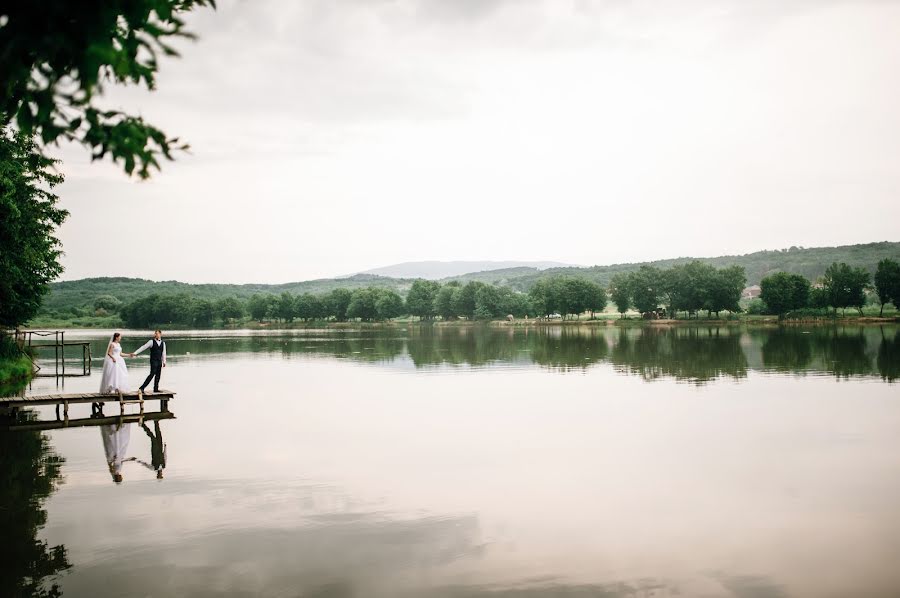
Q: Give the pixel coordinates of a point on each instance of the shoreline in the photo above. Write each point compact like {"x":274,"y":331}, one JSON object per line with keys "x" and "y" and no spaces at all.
{"x":751,"y":321}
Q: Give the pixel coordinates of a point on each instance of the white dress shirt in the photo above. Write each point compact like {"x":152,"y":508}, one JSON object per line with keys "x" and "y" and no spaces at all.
{"x":149,"y":343}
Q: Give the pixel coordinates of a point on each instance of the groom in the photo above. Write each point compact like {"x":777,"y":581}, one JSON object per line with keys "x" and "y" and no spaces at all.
{"x":157,"y":359}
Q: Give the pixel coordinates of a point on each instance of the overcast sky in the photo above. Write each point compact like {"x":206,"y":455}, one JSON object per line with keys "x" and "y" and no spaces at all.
{"x":330,"y":137}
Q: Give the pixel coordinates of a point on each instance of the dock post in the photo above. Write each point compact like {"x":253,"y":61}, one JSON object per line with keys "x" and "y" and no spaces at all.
{"x":62,"y":351}
{"x":66,"y":412}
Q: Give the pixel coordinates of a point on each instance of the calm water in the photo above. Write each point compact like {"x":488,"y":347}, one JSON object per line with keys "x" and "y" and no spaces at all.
{"x":471,"y":462}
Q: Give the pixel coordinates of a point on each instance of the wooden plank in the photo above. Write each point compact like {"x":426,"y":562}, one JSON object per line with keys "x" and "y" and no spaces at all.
{"x":88,"y":421}
{"x":84,"y":398}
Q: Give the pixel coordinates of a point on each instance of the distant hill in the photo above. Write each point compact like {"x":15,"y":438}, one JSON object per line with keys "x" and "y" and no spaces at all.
{"x":83,"y":292}
{"x":810,"y":262}
{"x":434,"y":270}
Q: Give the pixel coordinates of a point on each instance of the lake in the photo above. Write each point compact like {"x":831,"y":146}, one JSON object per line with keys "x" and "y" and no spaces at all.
{"x":473,"y":462}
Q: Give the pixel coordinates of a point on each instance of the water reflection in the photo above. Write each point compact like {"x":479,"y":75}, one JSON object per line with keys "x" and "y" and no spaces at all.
{"x":115,"y":439}
{"x":888,"y":359}
{"x":694,"y":354}
{"x":351,"y":464}
{"x":30,"y":471}
{"x":157,"y":450}
{"x":697,"y":355}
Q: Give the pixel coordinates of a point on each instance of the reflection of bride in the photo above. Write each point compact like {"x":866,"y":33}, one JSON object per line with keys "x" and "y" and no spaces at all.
{"x":115,"y":372}
{"x":115,"y":445}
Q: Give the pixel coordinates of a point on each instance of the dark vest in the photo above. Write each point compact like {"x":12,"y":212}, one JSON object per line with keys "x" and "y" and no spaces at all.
{"x":156,"y":351}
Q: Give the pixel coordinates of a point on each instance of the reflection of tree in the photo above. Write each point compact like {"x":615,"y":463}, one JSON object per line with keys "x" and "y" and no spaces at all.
{"x":572,"y":349}
{"x":844,"y":353}
{"x":478,"y":345}
{"x":888,"y":359}
{"x":29,"y":473}
{"x":694,"y":354}
{"x":787,"y":350}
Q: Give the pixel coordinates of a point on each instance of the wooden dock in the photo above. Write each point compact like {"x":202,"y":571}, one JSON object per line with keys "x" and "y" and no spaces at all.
{"x":90,"y":397}
{"x":114,"y":420}
{"x":55,"y":339}
{"x":10,"y":405}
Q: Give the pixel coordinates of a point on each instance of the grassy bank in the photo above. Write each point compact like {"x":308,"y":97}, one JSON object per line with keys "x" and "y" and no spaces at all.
{"x":14,"y":373}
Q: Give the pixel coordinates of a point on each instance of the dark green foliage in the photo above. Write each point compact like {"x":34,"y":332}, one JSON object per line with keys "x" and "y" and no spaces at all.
{"x":362,"y":305}
{"x":336,"y":303}
{"x":156,"y":310}
{"x":56,"y":56}
{"x":284,"y":307}
{"x":465,"y":299}
{"x":488,"y":303}
{"x":887,"y":283}
{"x":107,"y":303}
{"x":818,"y":298}
{"x":420,"y":299}
{"x":29,"y":251}
{"x":690,"y":286}
{"x":308,"y":307}
{"x":757,"y":307}
{"x":8,"y":347}
{"x":446,"y":302}
{"x":783,"y":292}
{"x":566,"y":296}
{"x":202,"y":313}
{"x":230,"y":308}
{"x":645,"y":288}
{"x":388,"y":304}
{"x":845,"y":286}
{"x":620,"y":293}
{"x":724,"y":290}
{"x":258,"y":306}
{"x":543,"y":295}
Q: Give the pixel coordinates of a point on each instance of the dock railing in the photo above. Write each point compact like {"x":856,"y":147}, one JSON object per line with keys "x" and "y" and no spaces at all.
{"x":31,"y":342}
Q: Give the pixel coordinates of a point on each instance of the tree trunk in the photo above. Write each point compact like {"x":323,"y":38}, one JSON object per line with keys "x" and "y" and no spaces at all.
{"x":881,"y":313}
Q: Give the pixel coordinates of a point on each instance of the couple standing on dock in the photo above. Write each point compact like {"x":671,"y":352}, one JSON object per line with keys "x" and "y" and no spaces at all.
{"x":115,"y":372}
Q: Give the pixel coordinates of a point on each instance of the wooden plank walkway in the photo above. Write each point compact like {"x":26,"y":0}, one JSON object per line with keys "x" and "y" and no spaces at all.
{"x":91,"y":397}
{"x":88,"y":421}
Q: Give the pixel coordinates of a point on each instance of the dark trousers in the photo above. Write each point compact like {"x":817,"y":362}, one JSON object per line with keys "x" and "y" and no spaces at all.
{"x":155,"y":371}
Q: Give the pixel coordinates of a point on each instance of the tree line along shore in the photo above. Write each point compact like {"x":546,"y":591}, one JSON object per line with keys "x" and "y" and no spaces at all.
{"x":683,"y":293}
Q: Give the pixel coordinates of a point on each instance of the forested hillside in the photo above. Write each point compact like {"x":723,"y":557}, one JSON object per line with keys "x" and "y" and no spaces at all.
{"x":808,"y":262}
{"x":81,"y":296}
{"x":83,"y":292}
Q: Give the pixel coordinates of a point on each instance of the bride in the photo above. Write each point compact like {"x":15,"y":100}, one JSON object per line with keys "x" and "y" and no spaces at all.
{"x":115,"y":372}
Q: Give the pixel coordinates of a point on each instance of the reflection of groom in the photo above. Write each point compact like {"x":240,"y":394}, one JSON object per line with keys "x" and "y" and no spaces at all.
{"x":157,"y":359}
{"x":157,"y":450}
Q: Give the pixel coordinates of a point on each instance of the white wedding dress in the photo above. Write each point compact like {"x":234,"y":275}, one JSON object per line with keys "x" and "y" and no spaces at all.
{"x":115,"y":373}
